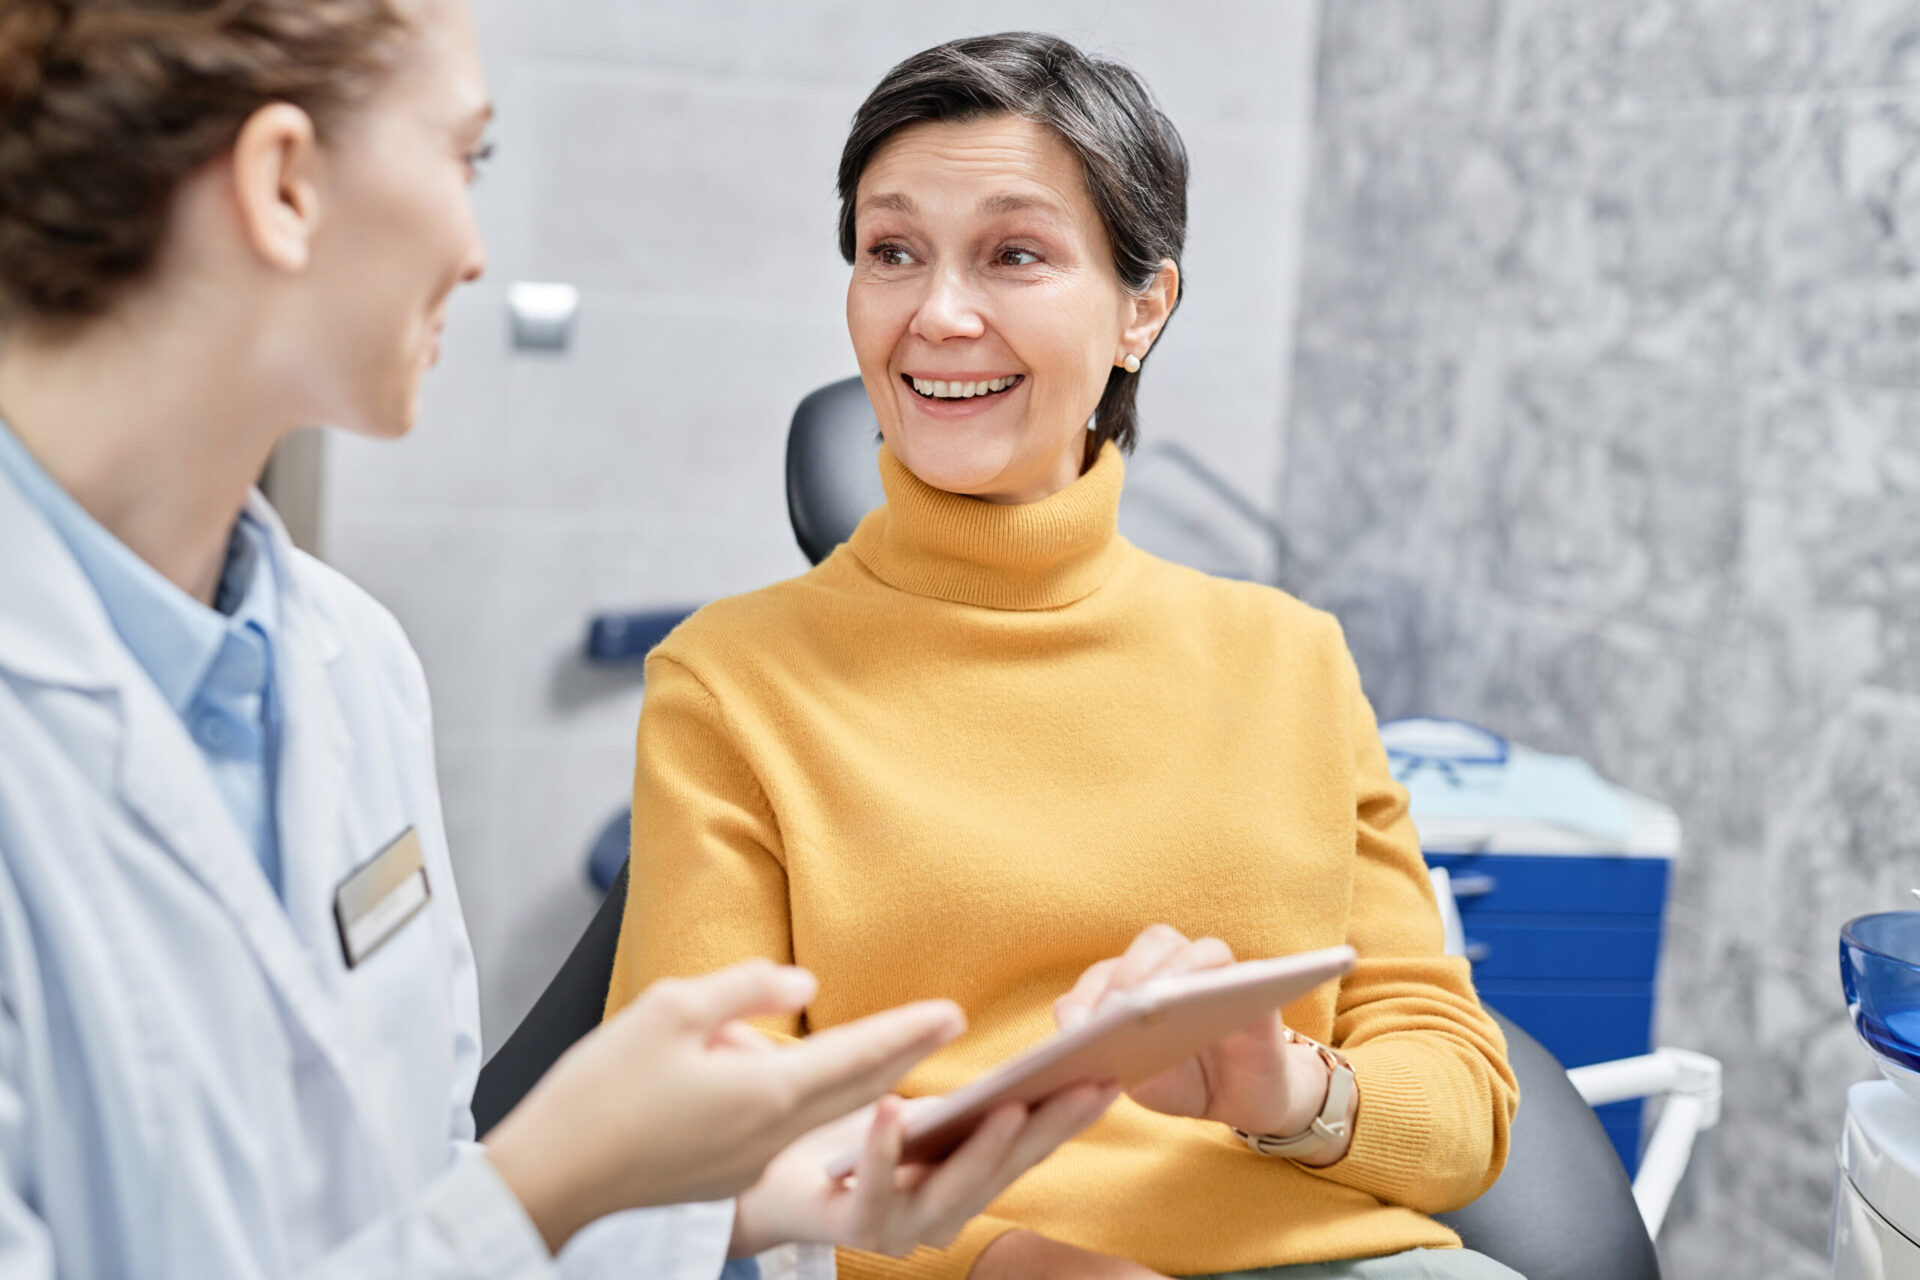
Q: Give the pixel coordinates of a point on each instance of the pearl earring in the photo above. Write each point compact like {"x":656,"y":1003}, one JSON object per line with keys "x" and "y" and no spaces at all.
{"x":1131,"y":364}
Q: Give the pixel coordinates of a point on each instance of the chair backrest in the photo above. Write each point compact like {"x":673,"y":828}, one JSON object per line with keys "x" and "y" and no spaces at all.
{"x":831,"y":478}
{"x":571,"y":1006}
{"x":1563,"y":1208}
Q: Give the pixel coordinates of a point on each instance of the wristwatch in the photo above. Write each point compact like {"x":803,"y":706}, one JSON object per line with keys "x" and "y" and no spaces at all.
{"x":1329,"y":1129}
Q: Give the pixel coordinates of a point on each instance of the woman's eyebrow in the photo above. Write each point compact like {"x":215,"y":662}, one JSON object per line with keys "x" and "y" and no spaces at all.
{"x":1004,"y":203}
{"x":894,"y":201}
{"x":1019,"y":202}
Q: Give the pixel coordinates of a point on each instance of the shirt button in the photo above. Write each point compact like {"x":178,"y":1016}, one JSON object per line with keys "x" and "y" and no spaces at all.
{"x":212,"y":732}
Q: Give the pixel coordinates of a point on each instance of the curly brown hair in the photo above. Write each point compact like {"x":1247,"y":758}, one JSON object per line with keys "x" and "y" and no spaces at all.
{"x":106,"y":106}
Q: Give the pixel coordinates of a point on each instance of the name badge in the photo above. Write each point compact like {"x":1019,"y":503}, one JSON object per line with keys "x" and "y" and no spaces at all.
{"x":383,"y":893}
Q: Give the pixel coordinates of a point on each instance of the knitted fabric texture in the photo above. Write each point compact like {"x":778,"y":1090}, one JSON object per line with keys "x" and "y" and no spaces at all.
{"x":979,"y":748}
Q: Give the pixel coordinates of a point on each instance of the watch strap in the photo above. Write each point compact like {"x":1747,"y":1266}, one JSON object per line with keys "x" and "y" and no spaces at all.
{"x":1328,"y":1130}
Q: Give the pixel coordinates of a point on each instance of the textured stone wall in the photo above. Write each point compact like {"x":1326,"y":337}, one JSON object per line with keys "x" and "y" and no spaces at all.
{"x":1605,"y":432}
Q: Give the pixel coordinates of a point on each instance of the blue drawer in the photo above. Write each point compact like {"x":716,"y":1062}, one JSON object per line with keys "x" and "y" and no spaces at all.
{"x":1568,"y":948}
{"x":1584,"y":1027}
{"x":1583,"y":1022}
{"x":1623,"y":947}
{"x":1621,"y":1115}
{"x":1507,"y":883}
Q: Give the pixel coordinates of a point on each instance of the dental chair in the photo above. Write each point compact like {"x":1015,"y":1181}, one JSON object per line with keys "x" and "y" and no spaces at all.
{"x":1563,"y":1208}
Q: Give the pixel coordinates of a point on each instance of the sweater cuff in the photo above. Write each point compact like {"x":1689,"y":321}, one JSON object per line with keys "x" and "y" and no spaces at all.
{"x":1391,"y":1155}
{"x":951,"y":1263}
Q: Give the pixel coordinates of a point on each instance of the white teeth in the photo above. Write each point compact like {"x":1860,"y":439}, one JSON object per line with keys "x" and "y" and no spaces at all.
{"x":945,"y":390}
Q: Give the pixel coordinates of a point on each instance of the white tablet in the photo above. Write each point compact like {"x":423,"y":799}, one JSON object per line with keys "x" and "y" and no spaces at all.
{"x":1139,"y":1033}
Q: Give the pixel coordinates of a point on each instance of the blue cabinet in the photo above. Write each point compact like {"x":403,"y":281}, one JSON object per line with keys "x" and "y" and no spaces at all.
{"x":1568,"y":946}
{"x":1561,"y":880}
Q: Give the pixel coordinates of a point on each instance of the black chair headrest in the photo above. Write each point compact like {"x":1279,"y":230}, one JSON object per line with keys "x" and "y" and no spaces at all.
{"x":832,"y":477}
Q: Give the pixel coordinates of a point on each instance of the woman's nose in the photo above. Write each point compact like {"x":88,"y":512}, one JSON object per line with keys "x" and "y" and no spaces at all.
{"x":476,"y":265}
{"x":949,"y":309}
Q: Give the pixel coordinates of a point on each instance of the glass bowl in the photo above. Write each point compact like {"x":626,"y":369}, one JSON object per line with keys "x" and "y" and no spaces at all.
{"x":1880,"y":972}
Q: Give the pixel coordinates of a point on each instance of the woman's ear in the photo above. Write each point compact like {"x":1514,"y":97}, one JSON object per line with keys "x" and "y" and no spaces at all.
{"x":1149,"y":310}
{"x":276,"y":185}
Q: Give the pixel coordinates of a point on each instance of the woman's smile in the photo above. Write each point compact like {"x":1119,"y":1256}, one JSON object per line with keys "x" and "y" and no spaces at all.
{"x":959,"y":395}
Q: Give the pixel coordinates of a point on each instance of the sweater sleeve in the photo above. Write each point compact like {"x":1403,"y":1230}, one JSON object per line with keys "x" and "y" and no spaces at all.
{"x":1437,"y":1097}
{"x":950,"y":1263}
{"x":706,"y":886}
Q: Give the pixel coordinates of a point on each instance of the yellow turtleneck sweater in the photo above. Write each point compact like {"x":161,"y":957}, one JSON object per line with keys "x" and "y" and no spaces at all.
{"x":981,"y":747}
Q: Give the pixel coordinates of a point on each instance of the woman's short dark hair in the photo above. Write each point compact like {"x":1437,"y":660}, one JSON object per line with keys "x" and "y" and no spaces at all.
{"x":1132,"y":156}
{"x":106,"y":106}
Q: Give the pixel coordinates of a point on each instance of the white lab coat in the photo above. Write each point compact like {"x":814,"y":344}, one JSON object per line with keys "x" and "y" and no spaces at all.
{"x":192,"y":1082}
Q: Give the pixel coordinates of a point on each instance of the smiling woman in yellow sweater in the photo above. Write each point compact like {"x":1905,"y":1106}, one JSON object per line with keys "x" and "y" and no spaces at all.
{"x":990,"y":751}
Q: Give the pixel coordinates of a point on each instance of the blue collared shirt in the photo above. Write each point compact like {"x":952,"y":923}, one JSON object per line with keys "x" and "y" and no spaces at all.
{"x":213,"y":666}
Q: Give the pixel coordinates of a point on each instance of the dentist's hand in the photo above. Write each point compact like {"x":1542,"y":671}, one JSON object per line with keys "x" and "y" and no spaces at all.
{"x":674,"y":1100}
{"x":1254,"y":1079}
{"x":890,"y":1207}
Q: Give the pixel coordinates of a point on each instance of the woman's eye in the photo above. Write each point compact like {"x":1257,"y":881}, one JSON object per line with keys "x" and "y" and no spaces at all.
{"x":1017,"y":258}
{"x":890,"y":255}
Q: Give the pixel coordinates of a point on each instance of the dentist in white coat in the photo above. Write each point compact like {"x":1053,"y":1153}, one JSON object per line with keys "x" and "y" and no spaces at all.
{"x":238,"y":1024}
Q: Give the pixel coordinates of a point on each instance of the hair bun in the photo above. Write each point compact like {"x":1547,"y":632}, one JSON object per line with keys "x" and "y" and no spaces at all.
{"x":28,"y":29}
{"x":107,"y":106}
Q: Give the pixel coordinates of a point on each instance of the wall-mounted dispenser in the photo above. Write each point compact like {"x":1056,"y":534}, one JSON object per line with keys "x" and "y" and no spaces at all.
{"x":542,"y":315}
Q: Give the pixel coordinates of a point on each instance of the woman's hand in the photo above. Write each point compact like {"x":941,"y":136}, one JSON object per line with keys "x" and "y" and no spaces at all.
{"x":890,"y":1207}
{"x":1027,"y":1255}
{"x":674,"y":1100}
{"x":1254,"y":1079}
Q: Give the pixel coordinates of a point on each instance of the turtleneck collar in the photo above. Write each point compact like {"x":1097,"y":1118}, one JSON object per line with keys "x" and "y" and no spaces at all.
{"x":1041,"y":555}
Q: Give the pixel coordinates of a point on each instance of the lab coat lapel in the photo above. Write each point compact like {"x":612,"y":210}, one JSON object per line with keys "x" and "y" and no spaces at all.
{"x":54,"y":631}
{"x":322,"y":829}
{"x":320,"y":836}
{"x":163,"y":780}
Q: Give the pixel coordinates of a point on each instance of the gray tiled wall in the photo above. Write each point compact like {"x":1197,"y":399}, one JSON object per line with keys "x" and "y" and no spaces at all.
{"x":1606,"y":432}
{"x":676,"y":162}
